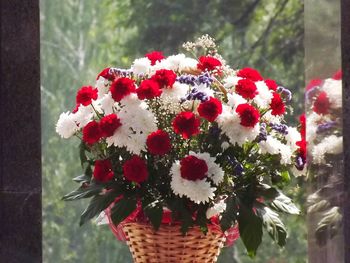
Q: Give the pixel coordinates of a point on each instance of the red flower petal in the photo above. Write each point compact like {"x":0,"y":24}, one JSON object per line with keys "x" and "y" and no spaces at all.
{"x":135,"y":170}
{"x":186,"y":124}
{"x":193,"y":168}
{"x":248,"y":114}
{"x":210,"y":109}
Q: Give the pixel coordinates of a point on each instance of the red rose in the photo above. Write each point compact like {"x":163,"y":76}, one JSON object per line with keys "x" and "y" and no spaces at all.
{"x":164,"y":77}
{"x":248,"y":114}
{"x":271,"y":84}
{"x":148,"y":89}
{"x":338,"y":75}
{"x":210,"y":109}
{"x":246,"y":88}
{"x":135,"y":170}
{"x":109,"y":124}
{"x":85,"y":95}
{"x":154,"y":57}
{"x":103,"y":170}
{"x":208,"y":63}
{"x":186,"y":124}
{"x":249,"y":73}
{"x":122,"y":87}
{"x":277,"y":105}
{"x":321,"y":104}
{"x":92,"y":133}
{"x":105,"y":74}
{"x":158,"y":142}
{"x":302,"y":120}
{"x":193,"y":169}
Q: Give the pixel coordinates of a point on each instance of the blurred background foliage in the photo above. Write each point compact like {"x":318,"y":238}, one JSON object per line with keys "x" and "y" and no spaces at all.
{"x":81,"y":37}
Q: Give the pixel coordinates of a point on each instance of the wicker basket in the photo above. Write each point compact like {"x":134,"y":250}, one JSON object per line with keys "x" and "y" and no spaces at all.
{"x":169,"y":245}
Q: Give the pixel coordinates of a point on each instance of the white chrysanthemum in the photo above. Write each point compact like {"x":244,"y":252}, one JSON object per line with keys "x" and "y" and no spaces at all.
{"x":274,"y":146}
{"x":188,"y":64}
{"x":217,"y":209}
{"x":84,"y":115}
{"x":311,"y":124}
{"x":333,"y":88}
{"x":329,"y":145}
{"x":231,"y":82}
{"x":141,"y":66}
{"x":272,"y":118}
{"x":137,"y":123}
{"x":199,"y":191}
{"x":234,"y":100}
{"x":173,"y":62}
{"x":102,"y":86}
{"x":107,"y":103}
{"x":229,"y":122}
{"x":264,"y":96}
{"x":292,"y":138}
{"x":66,"y":126}
{"x":170,"y":97}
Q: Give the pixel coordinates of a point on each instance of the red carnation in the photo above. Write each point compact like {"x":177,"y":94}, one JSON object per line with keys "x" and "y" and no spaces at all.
{"x":155,"y":56}
{"x":246,"y":88}
{"x":271,"y":84}
{"x":103,"y":170}
{"x":135,"y":170}
{"x":148,"y":89}
{"x":338,"y":75}
{"x":314,"y":83}
{"x":158,"y":142}
{"x":249,"y":73}
{"x":109,"y":124}
{"x":302,"y":148}
{"x":302,"y":120}
{"x":210,"y":109}
{"x":208,"y":63}
{"x":85,"y":95}
{"x":92,"y":133}
{"x":105,"y":74}
{"x":186,"y":124}
{"x":321,"y":104}
{"x":122,"y":87}
{"x":277,"y":105}
{"x":248,"y":114}
{"x":193,"y":169}
{"x":164,"y":77}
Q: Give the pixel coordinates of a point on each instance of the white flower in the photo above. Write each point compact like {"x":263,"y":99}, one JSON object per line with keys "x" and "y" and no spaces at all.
{"x":224,"y":146}
{"x":66,"y":126}
{"x":264,"y":96}
{"x":170,"y":97}
{"x":84,"y":115}
{"x":229,"y":122}
{"x":333,"y":88}
{"x":188,"y":64}
{"x":205,"y":89}
{"x":199,"y":191}
{"x":292,"y":138}
{"x":107,"y":103}
{"x":217,"y":209}
{"x":272,"y":118}
{"x":234,"y":100}
{"x":329,"y":145}
{"x":102,"y":86}
{"x":174,"y":61}
{"x":231,"y":82}
{"x":141,"y":66}
{"x":274,"y":146}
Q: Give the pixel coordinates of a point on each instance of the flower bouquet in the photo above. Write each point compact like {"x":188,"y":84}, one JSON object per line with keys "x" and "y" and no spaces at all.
{"x":181,"y":150}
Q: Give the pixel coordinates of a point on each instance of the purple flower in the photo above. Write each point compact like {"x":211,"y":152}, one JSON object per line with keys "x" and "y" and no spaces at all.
{"x":281,"y":128}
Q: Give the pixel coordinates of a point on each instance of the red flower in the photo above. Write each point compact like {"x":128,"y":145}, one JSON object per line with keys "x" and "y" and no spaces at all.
{"x":246,"y":88}
{"x":135,"y":170}
{"x":122,"y":87}
{"x":155,"y":56}
{"x":338,"y":75}
{"x":313,"y":83}
{"x":103,"y":170}
{"x":92,"y":133}
{"x":158,"y":142}
{"x":186,"y":124}
{"x":109,"y":124}
{"x":208,"y":63}
{"x":277,"y":105}
{"x":271,"y":84}
{"x":210,"y":109}
{"x":85,"y":95}
{"x":321,"y":104}
{"x":248,"y":114}
{"x":148,"y":89}
{"x":249,"y":73}
{"x":164,"y":77}
{"x":105,"y":74}
{"x":302,"y":120}
{"x":193,"y":169}
{"x":302,"y":148}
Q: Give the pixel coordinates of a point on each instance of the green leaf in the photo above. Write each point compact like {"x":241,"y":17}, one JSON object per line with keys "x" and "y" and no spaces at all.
{"x":154,"y":211}
{"x":250,"y":229}
{"x":97,"y":204}
{"x":272,"y":223}
{"x":82,"y":154}
{"x":229,"y":216}
{"x":82,"y":179}
{"x":83,"y":192}
{"x":284,"y":204}
{"x":267,"y":192}
{"x":122,"y":209}
{"x":285,"y":176}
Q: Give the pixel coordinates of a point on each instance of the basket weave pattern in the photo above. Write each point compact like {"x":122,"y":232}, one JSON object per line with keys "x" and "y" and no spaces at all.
{"x":169,"y":245}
